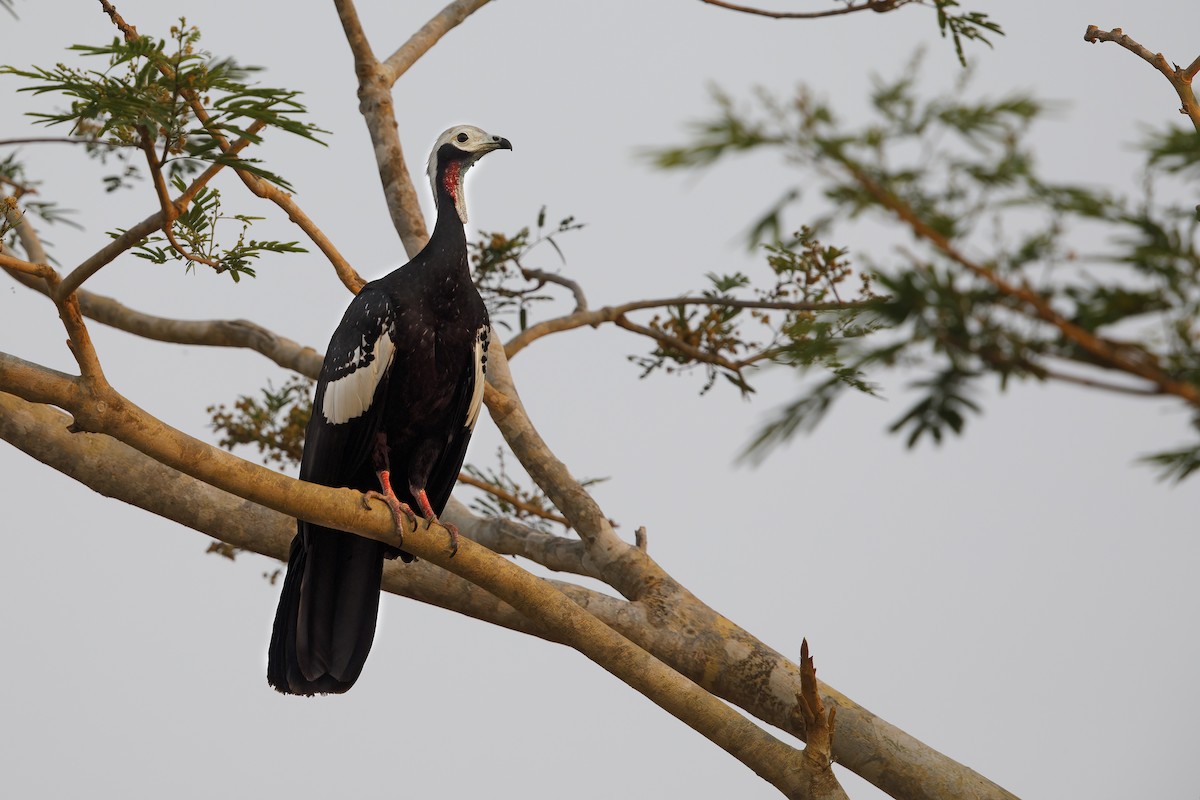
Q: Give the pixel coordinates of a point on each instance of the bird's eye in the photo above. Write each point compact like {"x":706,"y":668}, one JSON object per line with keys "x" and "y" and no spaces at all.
{"x":462,"y":137}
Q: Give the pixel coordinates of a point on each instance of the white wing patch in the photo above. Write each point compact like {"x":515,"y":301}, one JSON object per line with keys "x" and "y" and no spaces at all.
{"x":350,"y":395}
{"x":481,"y":340}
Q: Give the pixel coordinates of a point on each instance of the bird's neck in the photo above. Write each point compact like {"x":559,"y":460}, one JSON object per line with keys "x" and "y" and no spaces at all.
{"x":449,"y":239}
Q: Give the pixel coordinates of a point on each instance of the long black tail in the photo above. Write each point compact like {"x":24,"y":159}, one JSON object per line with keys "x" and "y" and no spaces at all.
{"x":325,"y":623}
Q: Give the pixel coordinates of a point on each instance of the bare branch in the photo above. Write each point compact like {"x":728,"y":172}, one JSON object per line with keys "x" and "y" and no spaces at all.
{"x":64,"y":140}
{"x":629,"y":576}
{"x":1180,"y":79}
{"x":1192,"y":69}
{"x":542,"y":277}
{"x":818,"y":727}
{"x":720,"y":656}
{"x":596,"y":317}
{"x":108,"y":253}
{"x":430,"y":34}
{"x":511,"y":499}
{"x":128,"y":30}
{"x":37,"y":270}
{"x":511,"y":538}
{"x":43,"y":276}
{"x":101,"y":409}
{"x":378,"y":110}
{"x":870,"y":5}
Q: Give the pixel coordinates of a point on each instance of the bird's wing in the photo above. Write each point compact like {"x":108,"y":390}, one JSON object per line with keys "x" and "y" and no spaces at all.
{"x":467,"y":403}
{"x":348,"y":402}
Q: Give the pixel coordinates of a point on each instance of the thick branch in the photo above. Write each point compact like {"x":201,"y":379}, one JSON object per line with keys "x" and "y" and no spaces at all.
{"x":378,"y":110}
{"x":430,"y":34}
{"x":607,"y":550}
{"x":101,"y":409}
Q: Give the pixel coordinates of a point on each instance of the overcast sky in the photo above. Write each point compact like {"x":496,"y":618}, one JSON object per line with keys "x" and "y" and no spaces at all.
{"x":1024,"y":599}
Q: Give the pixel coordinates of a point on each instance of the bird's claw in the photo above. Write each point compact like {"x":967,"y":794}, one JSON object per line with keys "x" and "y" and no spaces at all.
{"x":396,"y":506}
{"x":453,"y":537}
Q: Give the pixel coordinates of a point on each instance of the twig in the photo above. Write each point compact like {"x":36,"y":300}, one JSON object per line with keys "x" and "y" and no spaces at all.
{"x":596,"y":317}
{"x":170,"y":211}
{"x":130,"y":32}
{"x":818,"y":732}
{"x":64,"y":140}
{"x":672,"y":343}
{"x":870,"y":5}
{"x":1180,"y":79}
{"x":640,"y":539}
{"x":512,"y":499}
{"x":542,"y":277}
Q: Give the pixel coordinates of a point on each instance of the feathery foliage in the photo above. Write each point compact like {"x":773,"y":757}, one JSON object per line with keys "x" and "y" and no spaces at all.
{"x":994,"y":271}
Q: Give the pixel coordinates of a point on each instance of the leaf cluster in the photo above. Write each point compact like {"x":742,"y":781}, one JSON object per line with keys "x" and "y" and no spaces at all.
{"x":964,"y":26}
{"x":506,"y":279}
{"x":180,"y":98}
{"x":959,"y":176}
{"x":791,"y":316}
{"x":195,"y":231}
{"x":274,"y":423}
{"x":513,"y":499}
{"x":20,"y":187}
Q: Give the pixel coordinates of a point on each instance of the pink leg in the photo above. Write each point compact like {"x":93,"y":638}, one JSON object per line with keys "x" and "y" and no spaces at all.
{"x":388,"y":496}
{"x":427,"y":510}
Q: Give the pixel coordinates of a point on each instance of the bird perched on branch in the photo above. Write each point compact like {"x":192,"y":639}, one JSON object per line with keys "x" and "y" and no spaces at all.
{"x":395,"y":404}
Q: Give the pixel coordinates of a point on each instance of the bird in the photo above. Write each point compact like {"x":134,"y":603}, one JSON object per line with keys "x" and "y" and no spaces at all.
{"x":394,"y":407}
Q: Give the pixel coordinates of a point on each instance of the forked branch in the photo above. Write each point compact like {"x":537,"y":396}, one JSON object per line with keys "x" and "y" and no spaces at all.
{"x":1180,"y":78}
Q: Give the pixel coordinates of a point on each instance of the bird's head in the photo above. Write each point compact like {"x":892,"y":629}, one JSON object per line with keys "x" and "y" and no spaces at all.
{"x":453,"y":154}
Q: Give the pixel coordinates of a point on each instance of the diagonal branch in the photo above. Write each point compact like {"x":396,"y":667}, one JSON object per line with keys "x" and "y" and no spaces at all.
{"x":1180,"y":78}
{"x":430,"y":34}
{"x":101,"y":409}
{"x":1124,"y":358}
{"x":378,"y":110}
{"x":511,"y":499}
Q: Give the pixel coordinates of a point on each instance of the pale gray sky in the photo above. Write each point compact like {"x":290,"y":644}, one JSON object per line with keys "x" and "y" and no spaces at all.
{"x":1023,"y":600}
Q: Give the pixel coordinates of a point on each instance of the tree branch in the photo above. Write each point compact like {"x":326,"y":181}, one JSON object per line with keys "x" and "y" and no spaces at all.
{"x":430,"y":34}
{"x":542,"y":277}
{"x":870,"y":5}
{"x":102,"y":409}
{"x":1126,"y":359}
{"x":378,"y":109}
{"x":596,"y":317}
{"x":511,"y":499}
{"x":1180,"y":79}
{"x":719,"y":656}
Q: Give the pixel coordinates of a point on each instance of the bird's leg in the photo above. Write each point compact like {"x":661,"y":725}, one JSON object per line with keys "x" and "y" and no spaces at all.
{"x":431,"y":517}
{"x":388,"y":496}
{"x":399,"y":507}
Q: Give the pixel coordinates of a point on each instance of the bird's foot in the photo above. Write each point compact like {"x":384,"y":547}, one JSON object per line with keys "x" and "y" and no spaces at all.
{"x":453,"y":530}
{"x":400,"y":510}
{"x":431,"y":518}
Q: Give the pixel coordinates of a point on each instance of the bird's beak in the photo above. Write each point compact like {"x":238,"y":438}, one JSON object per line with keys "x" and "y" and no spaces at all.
{"x":500,"y":143}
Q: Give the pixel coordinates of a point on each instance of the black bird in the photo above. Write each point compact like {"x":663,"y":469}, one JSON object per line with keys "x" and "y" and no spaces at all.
{"x":397,"y":399}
